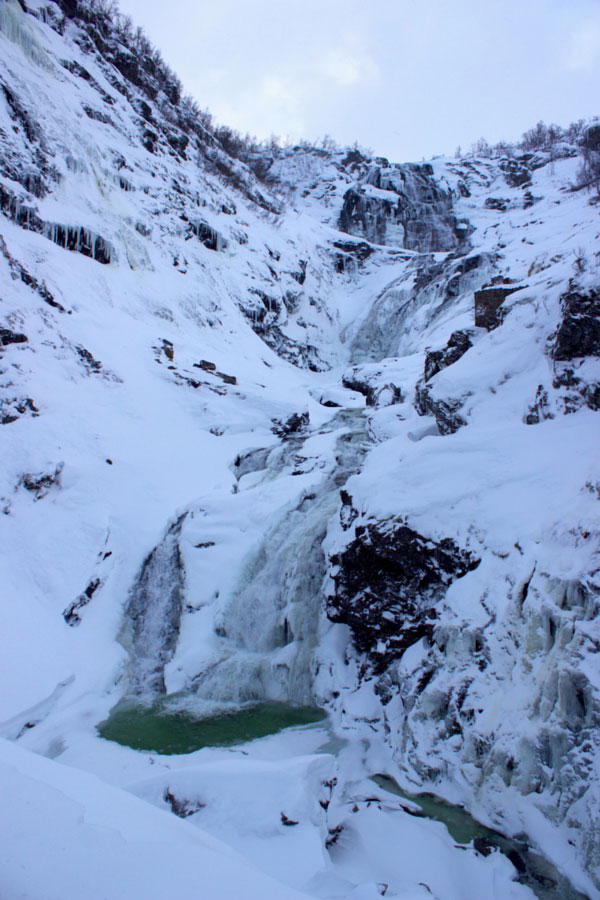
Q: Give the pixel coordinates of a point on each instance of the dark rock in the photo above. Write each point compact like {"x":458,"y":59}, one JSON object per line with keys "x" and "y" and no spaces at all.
{"x":540,"y":409}
{"x":97,"y":115}
{"x":180,"y":806}
{"x":334,"y":834}
{"x":498,"y":203}
{"x":436,"y":360}
{"x":488,"y":302}
{"x":300,"y":276}
{"x":484,"y":845}
{"x":348,"y":514}
{"x":389,"y":582}
{"x":92,"y":365}
{"x":529,"y":200}
{"x":578,"y":334}
{"x":591,"y":138}
{"x":369,"y":385}
{"x":209,"y":237}
{"x":446,"y":412}
{"x":12,"y":409}
{"x":420,"y":219}
{"x":516,"y":172}
{"x":11,"y":337}
{"x":286,"y":821}
{"x":39,"y":485}
{"x":71,"y":613}
{"x":227,"y":379}
{"x":296,"y":422}
{"x":206,"y":365}
{"x":71,"y":237}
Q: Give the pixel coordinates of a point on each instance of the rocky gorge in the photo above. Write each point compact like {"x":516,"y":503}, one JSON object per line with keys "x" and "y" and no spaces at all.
{"x":297,"y":429}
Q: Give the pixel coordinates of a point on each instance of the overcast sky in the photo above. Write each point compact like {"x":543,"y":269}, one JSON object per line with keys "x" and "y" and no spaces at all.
{"x":407,"y":78}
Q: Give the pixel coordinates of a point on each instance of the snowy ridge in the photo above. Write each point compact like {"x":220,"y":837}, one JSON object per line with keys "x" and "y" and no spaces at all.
{"x":250,"y":425}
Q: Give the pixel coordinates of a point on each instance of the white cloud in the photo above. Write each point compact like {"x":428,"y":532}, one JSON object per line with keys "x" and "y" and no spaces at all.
{"x":347,"y":66}
{"x":584,"y":48}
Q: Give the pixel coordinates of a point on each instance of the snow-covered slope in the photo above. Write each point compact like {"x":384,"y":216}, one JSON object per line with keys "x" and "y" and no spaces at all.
{"x":260,"y":443}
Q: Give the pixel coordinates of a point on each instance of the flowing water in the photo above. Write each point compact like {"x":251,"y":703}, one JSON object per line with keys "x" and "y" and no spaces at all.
{"x":534,"y":870}
{"x":262,"y":682}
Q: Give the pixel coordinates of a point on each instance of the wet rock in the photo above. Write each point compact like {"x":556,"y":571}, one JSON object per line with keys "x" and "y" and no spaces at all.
{"x":436,"y":360}
{"x":389,"y":581}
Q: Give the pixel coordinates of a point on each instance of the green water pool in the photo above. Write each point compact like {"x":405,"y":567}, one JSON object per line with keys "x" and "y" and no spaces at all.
{"x":167,"y":729}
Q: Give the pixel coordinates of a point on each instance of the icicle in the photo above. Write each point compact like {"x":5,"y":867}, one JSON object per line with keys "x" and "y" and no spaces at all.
{"x":13,"y":24}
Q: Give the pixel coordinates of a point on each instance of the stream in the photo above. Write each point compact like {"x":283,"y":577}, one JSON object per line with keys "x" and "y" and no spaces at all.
{"x":262,"y":681}
{"x":534,"y":870}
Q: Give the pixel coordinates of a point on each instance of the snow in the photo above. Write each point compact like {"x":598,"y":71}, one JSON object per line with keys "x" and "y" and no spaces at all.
{"x":149,"y":436}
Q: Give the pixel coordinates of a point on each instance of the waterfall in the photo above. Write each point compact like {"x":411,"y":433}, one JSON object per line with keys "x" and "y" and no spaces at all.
{"x":269,"y":627}
{"x":154,"y":613}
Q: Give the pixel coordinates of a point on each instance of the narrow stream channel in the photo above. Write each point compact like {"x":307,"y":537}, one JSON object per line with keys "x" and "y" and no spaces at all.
{"x":535,"y":871}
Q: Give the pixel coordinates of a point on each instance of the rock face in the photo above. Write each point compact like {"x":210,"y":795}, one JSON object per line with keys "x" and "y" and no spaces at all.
{"x":446,"y":411}
{"x":388,"y":582}
{"x":402,"y":206}
{"x":488,"y":303}
{"x":578,"y":334}
{"x":575,"y":341}
{"x":372,"y":384}
{"x":436,"y":360}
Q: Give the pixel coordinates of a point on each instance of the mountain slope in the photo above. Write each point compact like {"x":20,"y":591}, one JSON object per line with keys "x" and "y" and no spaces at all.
{"x":268,"y":436}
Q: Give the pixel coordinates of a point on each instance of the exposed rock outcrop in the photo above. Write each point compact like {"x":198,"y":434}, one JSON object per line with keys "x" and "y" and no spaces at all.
{"x":578,"y":334}
{"x":388,"y":582}
{"x":402,"y":206}
{"x":575,"y":341}
{"x":436,"y":360}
